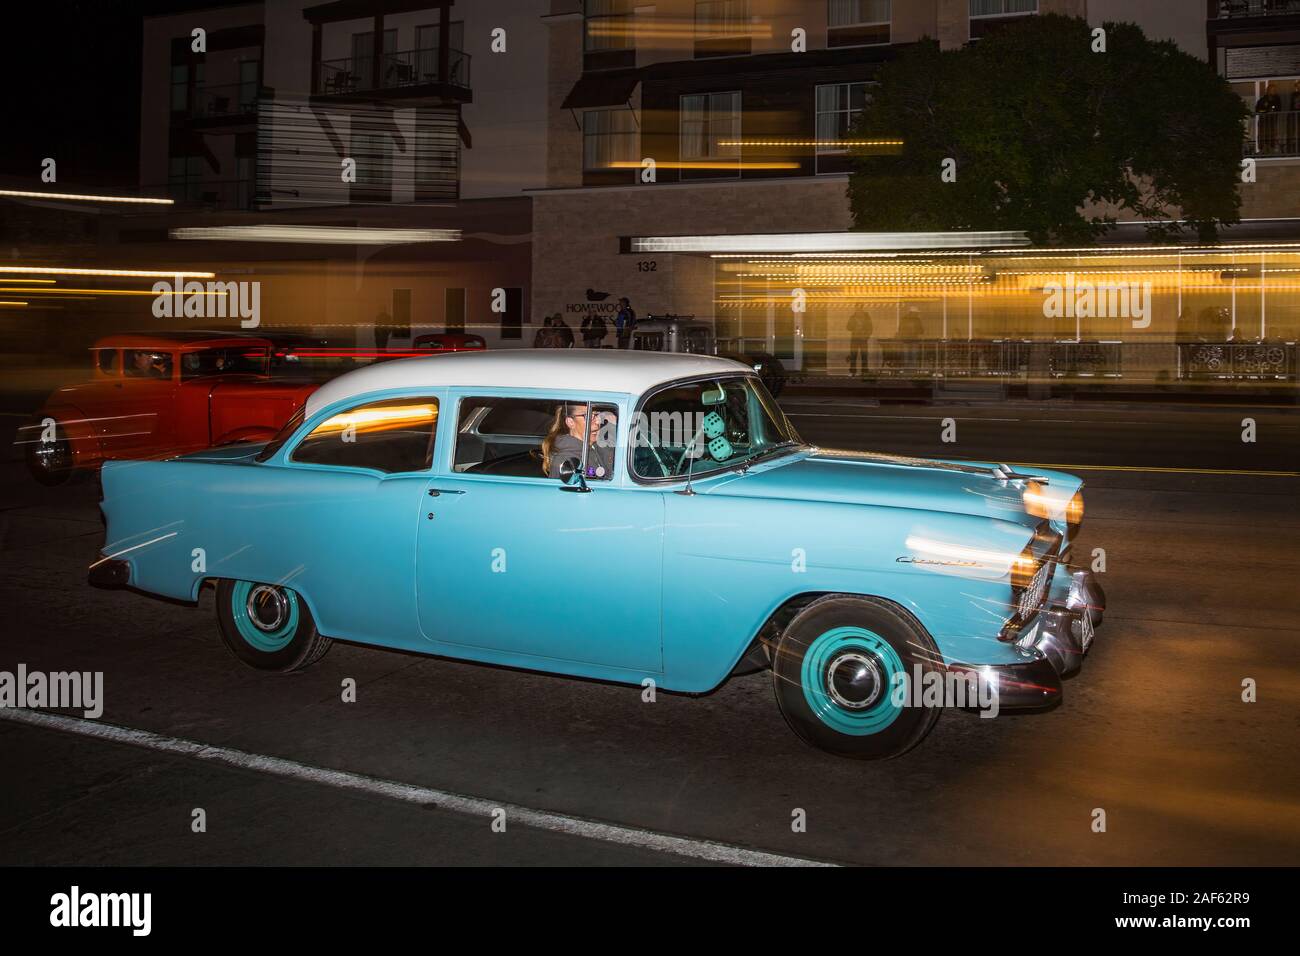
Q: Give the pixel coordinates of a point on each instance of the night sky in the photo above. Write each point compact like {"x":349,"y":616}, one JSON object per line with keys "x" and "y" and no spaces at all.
{"x":71,"y":81}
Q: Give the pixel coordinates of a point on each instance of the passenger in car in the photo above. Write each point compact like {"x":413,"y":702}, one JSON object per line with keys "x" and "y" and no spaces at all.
{"x":565,"y":439}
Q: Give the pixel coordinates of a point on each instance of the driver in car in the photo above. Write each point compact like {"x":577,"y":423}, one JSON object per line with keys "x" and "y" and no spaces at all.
{"x":564,"y":440}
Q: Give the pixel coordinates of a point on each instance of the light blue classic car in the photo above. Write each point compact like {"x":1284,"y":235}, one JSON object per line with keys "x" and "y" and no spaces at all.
{"x":456,"y":505}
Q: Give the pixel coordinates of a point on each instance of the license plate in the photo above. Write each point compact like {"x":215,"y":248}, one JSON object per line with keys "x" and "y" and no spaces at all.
{"x":1086,"y":630}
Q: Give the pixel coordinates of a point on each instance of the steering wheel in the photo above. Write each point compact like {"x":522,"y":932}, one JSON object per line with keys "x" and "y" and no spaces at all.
{"x":685,"y":452}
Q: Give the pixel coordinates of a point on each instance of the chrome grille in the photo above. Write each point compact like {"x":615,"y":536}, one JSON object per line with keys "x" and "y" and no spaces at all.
{"x":1032,"y":597}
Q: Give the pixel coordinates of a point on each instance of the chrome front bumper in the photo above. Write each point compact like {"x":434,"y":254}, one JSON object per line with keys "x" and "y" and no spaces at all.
{"x":1061,"y":633}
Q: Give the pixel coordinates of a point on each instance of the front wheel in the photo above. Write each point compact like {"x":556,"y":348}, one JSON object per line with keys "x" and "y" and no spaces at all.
{"x":49,"y":462}
{"x":843,"y":672}
{"x":268,"y":627}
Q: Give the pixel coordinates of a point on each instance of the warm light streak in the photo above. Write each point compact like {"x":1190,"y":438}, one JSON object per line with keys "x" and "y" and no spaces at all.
{"x":126,"y":273}
{"x":24,"y":194}
{"x":702,"y":164}
{"x":345,"y":235}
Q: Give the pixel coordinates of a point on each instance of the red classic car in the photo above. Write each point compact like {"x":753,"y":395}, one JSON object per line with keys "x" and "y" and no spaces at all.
{"x":158,"y":394}
{"x":448,"y":342}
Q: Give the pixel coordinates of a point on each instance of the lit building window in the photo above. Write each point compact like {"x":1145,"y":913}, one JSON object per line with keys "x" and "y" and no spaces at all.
{"x":838,"y":107}
{"x":857,"y":22}
{"x":707,"y":120}
{"x":608,"y":137}
{"x":608,"y":25}
{"x":987,"y":15}
{"x":721,"y":18}
{"x":1002,"y":8}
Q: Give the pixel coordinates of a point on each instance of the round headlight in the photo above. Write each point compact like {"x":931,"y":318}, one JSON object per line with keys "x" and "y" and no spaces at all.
{"x":1023,"y":568}
{"x":1074,"y":512}
{"x":1037,"y":503}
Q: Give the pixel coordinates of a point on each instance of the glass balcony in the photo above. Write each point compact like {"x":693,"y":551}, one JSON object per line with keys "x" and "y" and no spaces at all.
{"x":405,"y":68}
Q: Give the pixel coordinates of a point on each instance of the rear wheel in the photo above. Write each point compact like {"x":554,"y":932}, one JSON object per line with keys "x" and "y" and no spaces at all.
{"x":837,"y":669}
{"x":49,"y":462}
{"x":268,"y":627}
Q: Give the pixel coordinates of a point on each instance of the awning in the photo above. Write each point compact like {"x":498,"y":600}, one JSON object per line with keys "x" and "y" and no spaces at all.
{"x":604,"y":88}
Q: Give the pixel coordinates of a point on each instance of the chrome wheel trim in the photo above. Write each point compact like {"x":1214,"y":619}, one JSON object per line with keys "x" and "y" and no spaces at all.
{"x":267,"y":607}
{"x":862,"y":669}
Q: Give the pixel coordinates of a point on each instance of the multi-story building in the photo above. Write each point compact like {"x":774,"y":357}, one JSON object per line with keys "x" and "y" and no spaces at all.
{"x":675,"y":124}
{"x":591,"y":149}
{"x":399,"y":114}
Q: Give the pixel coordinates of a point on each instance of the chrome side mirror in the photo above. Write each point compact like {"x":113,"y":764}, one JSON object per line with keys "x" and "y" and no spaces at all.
{"x":571,"y":477}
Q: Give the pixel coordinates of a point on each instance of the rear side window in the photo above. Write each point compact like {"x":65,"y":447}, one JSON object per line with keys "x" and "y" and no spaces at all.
{"x":230,"y":361}
{"x":106,"y":359}
{"x":392,"y":435}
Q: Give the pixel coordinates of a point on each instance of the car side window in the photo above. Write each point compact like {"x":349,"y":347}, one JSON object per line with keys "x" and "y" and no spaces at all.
{"x":391,"y":435}
{"x":106,"y":359}
{"x":144,"y":363}
{"x":530,"y":438}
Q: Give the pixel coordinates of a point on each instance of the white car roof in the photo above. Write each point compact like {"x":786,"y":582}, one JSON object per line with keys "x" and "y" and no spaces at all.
{"x":582,"y":370}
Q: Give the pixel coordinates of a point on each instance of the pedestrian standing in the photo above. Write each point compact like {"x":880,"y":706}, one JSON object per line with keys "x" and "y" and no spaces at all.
{"x":563,"y":332}
{"x":545,"y":335}
{"x":860,"y":330}
{"x":624,"y":322}
{"x":594,"y":330}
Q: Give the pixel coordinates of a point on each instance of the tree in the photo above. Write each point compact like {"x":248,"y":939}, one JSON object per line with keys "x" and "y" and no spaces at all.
{"x":1051,"y":137}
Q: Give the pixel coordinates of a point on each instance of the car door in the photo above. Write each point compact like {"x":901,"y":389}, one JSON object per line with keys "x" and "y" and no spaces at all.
{"x":339,"y":521}
{"x":514,"y":567}
{"x":144,"y":413}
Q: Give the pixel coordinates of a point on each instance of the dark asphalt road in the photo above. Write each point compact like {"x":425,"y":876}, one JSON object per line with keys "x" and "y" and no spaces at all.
{"x":1199,"y":577}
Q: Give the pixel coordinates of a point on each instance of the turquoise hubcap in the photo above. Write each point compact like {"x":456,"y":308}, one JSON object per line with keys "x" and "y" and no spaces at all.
{"x":849,"y":675}
{"x":265,"y":616}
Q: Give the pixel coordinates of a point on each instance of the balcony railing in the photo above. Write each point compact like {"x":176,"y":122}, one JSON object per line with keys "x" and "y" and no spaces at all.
{"x":1273,"y":134}
{"x":391,"y":71}
{"x":1229,"y":9}
{"x":235,"y":99}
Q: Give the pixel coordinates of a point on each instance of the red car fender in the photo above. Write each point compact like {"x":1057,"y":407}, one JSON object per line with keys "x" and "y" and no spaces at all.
{"x":83,"y":435}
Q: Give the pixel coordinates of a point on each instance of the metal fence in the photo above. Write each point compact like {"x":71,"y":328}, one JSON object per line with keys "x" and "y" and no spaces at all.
{"x":1022,"y":360}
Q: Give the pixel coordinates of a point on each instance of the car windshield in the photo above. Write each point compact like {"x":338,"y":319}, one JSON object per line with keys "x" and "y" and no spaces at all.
{"x":284,"y":434}
{"x":708,"y":425}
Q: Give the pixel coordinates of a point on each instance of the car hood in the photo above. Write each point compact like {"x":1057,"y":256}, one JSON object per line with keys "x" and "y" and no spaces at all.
{"x":893,"y":481}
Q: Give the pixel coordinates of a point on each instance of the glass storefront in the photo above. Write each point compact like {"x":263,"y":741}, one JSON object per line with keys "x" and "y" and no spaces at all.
{"x":1141,"y":313}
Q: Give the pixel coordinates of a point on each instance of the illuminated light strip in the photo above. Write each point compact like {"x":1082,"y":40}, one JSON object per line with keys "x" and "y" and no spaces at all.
{"x":62,"y":291}
{"x":822,"y":241}
{"x":32,"y":281}
{"x":703,"y":164}
{"x":833,"y":143}
{"x":671,"y":28}
{"x":12,"y":304}
{"x":346,"y":235}
{"x":23,"y":194}
{"x":127,"y":273}
{"x":1227,"y":249}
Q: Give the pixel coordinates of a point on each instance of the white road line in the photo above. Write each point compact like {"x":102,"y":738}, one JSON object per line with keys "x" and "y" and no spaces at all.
{"x":409,"y":793}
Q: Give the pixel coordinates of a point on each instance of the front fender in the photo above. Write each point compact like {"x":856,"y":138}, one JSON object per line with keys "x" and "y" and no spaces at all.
{"x":727,"y":569}
{"x":82,"y":432}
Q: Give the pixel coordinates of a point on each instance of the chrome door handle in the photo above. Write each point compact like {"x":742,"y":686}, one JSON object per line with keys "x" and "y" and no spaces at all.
{"x":435,"y":492}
